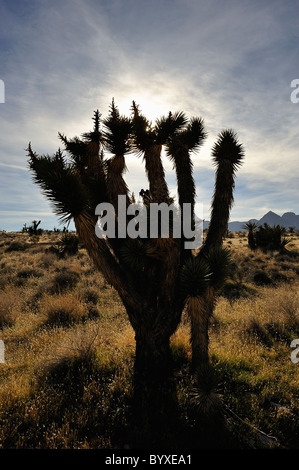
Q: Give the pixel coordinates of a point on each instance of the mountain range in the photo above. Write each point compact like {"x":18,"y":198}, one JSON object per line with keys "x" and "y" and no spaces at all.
{"x":288,"y":219}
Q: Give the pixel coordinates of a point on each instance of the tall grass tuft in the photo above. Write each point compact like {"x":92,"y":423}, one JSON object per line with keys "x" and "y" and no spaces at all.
{"x":63,"y":310}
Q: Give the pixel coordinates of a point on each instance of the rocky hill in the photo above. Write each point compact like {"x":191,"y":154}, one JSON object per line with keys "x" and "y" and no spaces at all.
{"x":288,"y":219}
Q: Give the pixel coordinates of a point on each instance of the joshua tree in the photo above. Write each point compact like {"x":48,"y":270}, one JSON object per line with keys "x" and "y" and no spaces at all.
{"x":269,"y":238}
{"x":155,"y":278}
{"x":266,"y":237}
{"x":251,"y":227}
{"x":33,"y":229}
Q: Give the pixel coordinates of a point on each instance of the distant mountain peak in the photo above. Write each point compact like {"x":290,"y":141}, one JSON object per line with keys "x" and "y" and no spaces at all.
{"x":288,"y":219}
{"x":270,"y":218}
{"x":271,"y":213}
{"x":289,"y":215}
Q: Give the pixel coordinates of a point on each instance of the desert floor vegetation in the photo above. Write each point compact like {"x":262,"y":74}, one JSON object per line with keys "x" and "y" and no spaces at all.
{"x":66,"y":382}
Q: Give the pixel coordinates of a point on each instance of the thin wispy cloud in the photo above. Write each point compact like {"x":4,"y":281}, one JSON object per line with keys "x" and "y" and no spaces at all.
{"x":229,"y":62}
{"x":18,"y":167}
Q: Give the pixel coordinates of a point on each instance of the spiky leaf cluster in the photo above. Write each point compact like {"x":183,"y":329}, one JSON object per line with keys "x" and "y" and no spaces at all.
{"x":195,"y":276}
{"x":117,"y":132}
{"x":228,"y":149}
{"x":61,"y":184}
{"x":219,"y":261}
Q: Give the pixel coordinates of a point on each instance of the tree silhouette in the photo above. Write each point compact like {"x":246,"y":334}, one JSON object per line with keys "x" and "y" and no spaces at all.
{"x":156,"y":278}
{"x":271,"y":238}
{"x":251,"y":227}
{"x":266,"y":237}
{"x":33,"y":228}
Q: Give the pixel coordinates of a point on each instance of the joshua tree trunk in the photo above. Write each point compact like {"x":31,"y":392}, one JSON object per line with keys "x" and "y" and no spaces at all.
{"x":154,"y":387}
{"x":200,"y":312}
{"x":199,"y":333}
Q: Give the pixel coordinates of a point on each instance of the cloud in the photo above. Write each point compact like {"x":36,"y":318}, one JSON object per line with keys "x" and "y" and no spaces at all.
{"x":13,"y":166}
{"x":231,"y":64}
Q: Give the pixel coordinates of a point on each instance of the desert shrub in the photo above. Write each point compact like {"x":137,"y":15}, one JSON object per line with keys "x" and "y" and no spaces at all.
{"x":93,"y":312}
{"x":5,"y":318}
{"x":77,"y":399}
{"x":268,"y":333}
{"x":65,"y":280}
{"x":277,"y":317}
{"x":71,"y":372}
{"x":257,"y":331}
{"x":278,"y":276}
{"x":232,"y":290}
{"x":7,"y":274}
{"x":260,"y":260}
{"x":284,"y":266}
{"x":278,"y":331}
{"x":26,"y":273}
{"x":269,"y":238}
{"x":285,"y":309}
{"x":63,"y":310}
{"x":261,"y":278}
{"x":8,"y":301}
{"x":4,"y":280}
{"x":91,"y":295}
{"x":70,"y":243}
{"x":17,"y":246}
{"x":67,"y":245}
{"x":47,"y":259}
{"x":34,"y":239}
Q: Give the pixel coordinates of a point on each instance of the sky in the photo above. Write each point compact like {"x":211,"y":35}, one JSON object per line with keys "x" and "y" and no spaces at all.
{"x":230,"y":62}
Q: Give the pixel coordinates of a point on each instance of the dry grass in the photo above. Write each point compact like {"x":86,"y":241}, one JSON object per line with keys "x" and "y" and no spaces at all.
{"x":69,"y":348}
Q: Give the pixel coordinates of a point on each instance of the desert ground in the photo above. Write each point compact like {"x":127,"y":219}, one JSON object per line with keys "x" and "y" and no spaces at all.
{"x":66,"y":380}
